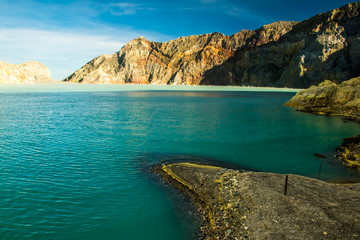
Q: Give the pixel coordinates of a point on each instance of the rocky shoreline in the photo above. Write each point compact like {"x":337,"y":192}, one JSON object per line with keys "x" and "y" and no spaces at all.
{"x":252,"y":205}
{"x":342,"y":100}
{"x":349,"y":152}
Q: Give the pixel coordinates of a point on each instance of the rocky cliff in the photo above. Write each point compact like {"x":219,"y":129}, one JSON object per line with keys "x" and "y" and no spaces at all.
{"x":28,"y":72}
{"x":323,"y":47}
{"x":329,"y":98}
{"x":181,"y":61}
{"x":282,"y":54}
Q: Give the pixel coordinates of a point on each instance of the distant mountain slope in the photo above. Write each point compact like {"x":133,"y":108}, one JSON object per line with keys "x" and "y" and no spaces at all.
{"x":282,"y":54}
{"x":28,"y":72}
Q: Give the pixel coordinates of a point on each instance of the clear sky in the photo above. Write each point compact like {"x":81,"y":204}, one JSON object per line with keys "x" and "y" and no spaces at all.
{"x":66,"y":34}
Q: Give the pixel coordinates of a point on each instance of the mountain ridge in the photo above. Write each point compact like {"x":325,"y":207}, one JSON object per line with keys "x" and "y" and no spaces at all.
{"x":281,"y":54}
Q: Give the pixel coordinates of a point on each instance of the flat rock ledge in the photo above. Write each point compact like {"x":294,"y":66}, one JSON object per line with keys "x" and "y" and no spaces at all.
{"x":252,"y":205}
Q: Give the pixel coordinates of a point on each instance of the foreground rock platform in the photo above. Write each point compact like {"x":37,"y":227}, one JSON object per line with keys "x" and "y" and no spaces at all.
{"x":252,"y":205}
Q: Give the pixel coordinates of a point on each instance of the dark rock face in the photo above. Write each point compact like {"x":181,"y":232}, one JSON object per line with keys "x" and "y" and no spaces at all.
{"x":323,"y":47}
{"x":282,"y":54}
{"x":349,"y":152}
{"x":330,"y":99}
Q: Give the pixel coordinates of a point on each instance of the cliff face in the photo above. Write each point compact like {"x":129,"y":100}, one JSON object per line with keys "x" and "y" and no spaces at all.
{"x":28,"y":72}
{"x":282,"y":54}
{"x":180,"y":61}
{"x":323,"y":47}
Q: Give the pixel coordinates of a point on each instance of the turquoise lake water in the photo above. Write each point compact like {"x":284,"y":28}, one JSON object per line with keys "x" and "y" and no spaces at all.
{"x":75,"y":159}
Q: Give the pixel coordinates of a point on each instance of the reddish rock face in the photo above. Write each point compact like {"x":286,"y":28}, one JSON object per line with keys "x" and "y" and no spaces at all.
{"x":282,"y":54}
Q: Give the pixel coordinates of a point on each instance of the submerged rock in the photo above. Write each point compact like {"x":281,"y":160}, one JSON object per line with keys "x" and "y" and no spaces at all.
{"x":249,"y":205}
{"x":28,"y":72}
{"x":349,"y":152}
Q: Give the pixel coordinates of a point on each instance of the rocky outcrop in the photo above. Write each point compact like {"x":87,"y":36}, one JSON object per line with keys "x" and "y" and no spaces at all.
{"x":329,"y":98}
{"x":282,"y":54}
{"x":349,"y":152}
{"x":28,"y":72}
{"x":342,"y":100}
{"x":249,"y":205}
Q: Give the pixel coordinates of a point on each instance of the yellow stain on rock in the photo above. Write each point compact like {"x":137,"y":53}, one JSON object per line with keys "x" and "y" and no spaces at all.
{"x":167,"y":169}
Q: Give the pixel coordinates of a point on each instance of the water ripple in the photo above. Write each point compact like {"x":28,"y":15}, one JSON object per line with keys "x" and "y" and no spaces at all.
{"x":72,"y":164}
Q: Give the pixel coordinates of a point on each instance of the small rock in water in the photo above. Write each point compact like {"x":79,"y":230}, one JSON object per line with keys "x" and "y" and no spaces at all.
{"x":318,"y":155}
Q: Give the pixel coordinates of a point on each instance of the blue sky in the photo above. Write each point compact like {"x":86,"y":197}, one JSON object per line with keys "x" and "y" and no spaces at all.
{"x":64,"y":35}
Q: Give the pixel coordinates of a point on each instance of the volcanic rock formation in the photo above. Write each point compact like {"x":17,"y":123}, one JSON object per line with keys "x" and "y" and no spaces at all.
{"x":28,"y":72}
{"x":180,"y":61}
{"x":330,"y":99}
{"x":349,"y":152}
{"x":282,"y":54}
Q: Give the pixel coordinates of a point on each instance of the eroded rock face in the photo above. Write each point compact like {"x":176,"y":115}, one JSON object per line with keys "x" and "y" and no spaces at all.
{"x":329,"y":98}
{"x":28,"y":72}
{"x":282,"y":54}
{"x":323,"y":47}
{"x":349,"y":152}
{"x":181,"y":61}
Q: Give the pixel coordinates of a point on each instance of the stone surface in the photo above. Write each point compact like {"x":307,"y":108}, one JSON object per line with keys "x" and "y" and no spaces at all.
{"x":28,"y":72}
{"x":282,"y":54}
{"x":249,"y":205}
{"x":329,"y":98}
{"x":349,"y":152}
